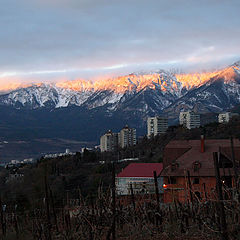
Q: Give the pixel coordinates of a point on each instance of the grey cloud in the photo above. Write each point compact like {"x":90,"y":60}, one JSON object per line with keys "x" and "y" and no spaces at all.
{"x":57,"y":34}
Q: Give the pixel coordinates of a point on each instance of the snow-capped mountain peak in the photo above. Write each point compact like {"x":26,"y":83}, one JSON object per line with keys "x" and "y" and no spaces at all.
{"x":146,"y":92}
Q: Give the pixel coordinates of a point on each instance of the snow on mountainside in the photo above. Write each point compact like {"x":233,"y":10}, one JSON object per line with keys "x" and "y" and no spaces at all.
{"x":139,"y":81}
{"x":43,"y":95}
{"x":91,"y":95}
{"x":220,"y":93}
{"x":131,"y":82}
{"x":139,"y":94}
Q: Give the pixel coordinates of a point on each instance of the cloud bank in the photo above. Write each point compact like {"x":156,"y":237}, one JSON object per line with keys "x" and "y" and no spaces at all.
{"x":44,"y":40}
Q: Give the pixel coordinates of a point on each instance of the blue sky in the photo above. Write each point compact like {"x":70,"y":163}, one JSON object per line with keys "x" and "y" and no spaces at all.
{"x":51,"y":39}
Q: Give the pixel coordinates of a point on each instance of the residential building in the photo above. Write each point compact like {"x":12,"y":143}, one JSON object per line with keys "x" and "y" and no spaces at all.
{"x":139,"y":176}
{"x":189,"y":168}
{"x":15,"y":174}
{"x":67,"y":151}
{"x":55,"y":155}
{"x":189,"y":119}
{"x":109,"y":141}
{"x":18,"y":177}
{"x":225,"y":117}
{"x":156,"y":125}
{"x":127,"y":137}
{"x":87,"y":148}
{"x":15,"y":162}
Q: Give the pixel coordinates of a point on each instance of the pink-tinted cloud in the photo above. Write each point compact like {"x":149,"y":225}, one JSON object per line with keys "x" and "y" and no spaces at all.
{"x":92,"y":37}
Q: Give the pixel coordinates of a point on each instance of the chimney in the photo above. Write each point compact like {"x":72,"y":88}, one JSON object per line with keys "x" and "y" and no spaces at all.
{"x":202,"y":144}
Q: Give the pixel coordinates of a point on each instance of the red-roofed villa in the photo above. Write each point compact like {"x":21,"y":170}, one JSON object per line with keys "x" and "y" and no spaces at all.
{"x":190,"y":163}
{"x":141,"y":176}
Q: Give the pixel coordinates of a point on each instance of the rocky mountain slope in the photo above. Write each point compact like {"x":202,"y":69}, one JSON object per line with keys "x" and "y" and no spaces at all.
{"x":220,"y":93}
{"x":147,"y":93}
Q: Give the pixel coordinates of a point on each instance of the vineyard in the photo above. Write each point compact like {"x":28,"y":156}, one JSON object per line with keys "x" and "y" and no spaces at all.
{"x":107,"y":216}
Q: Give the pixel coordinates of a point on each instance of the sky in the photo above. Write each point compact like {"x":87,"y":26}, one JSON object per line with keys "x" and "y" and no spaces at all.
{"x":48,"y":40}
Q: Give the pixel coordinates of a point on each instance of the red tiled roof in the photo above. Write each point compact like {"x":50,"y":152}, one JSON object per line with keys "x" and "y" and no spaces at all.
{"x":141,"y":170}
{"x":193,"y":154}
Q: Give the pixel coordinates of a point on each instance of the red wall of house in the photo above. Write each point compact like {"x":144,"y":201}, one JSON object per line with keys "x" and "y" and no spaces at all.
{"x":180,"y":190}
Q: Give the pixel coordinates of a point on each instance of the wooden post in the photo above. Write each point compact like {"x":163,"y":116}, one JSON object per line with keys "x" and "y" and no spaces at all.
{"x":176,"y":209}
{"x":132,"y":196}
{"x":2,"y":218}
{"x":158,"y":216}
{"x":234,"y":164}
{"x":223,"y":224}
{"x":63,"y":213}
{"x":54,"y":211}
{"x":68,"y":199}
{"x":156,"y":190}
{"x":47,"y":208}
{"x":113,"y":203}
{"x":16,"y":222}
{"x":79,"y":197}
{"x":205,"y":192}
{"x":191,"y":196}
{"x":190,"y":186}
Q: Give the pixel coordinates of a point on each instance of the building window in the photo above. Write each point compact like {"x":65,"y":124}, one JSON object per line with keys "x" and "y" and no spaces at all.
{"x":174,"y":166}
{"x":172,"y":180}
{"x":196,"y":166}
{"x":196,"y":181}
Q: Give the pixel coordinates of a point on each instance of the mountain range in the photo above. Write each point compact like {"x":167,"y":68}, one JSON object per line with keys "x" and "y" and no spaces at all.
{"x":83,"y":110}
{"x":160,"y":92}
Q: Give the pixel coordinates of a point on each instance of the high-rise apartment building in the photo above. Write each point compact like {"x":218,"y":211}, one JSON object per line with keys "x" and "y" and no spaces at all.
{"x":225,"y":117}
{"x":156,"y":125}
{"x":189,"y":119}
{"x":127,"y":137}
{"x":109,"y":141}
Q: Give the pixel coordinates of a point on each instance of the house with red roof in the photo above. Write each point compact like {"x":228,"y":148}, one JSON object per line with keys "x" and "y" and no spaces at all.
{"x":189,"y":167}
{"x":141,"y":177}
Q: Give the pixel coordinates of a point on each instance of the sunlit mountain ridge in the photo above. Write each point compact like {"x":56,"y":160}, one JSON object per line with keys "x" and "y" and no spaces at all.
{"x":135,"y":82}
{"x":138,"y":82}
{"x":149,"y":93}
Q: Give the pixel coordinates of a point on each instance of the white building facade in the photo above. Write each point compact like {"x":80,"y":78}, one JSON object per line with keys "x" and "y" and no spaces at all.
{"x":138,"y":177}
{"x":225,"y":117}
{"x":127,"y":137}
{"x":156,"y":125}
{"x":189,"y":119}
{"x":109,"y":141}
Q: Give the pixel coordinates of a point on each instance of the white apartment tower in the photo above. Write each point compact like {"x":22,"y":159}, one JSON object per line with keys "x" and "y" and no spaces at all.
{"x":109,"y":141}
{"x":127,"y":137}
{"x":156,"y":125}
{"x":189,"y":119}
{"x":225,"y":117}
